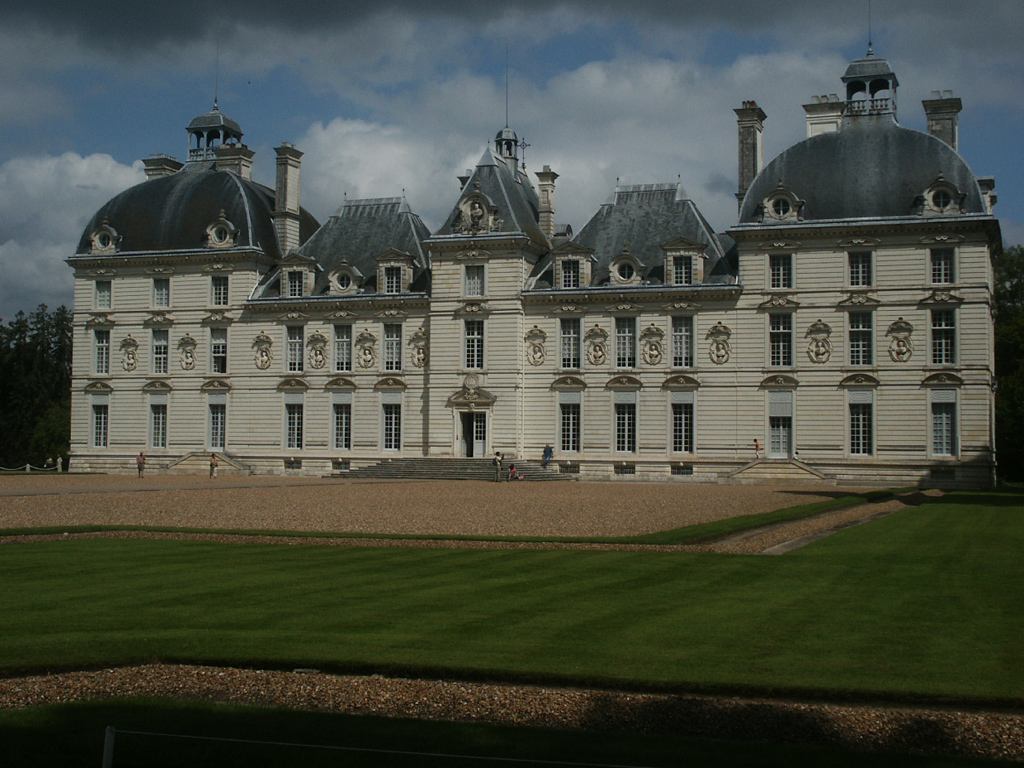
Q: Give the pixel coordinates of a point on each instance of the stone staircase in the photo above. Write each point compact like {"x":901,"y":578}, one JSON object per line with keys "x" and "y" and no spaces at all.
{"x":778,"y":471}
{"x":198,"y":463}
{"x":449,"y":469}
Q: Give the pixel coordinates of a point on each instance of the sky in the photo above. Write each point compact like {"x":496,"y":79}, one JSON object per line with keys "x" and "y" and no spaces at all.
{"x":392,"y":98}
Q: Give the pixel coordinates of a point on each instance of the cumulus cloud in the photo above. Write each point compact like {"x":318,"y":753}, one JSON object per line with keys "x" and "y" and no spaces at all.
{"x":45,"y":203}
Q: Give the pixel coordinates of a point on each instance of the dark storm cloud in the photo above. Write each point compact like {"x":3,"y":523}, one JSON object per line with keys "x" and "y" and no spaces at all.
{"x":129,"y":24}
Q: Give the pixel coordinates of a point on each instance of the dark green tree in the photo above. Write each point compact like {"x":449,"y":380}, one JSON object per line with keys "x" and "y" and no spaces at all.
{"x":1008,"y":306}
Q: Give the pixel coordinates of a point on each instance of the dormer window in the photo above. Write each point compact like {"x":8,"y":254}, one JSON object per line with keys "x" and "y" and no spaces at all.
{"x":296,"y":283}
{"x":625,"y":270}
{"x":682,"y":270}
{"x":571,"y":273}
{"x":942,"y":199}
{"x":782,"y":205}
{"x":221,"y":233}
{"x":392,"y":279}
{"x":105,"y":239}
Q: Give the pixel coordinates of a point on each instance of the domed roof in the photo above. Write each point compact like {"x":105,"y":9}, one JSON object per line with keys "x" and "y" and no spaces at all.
{"x":173,"y":213}
{"x":871,"y":168}
{"x":214,"y":119}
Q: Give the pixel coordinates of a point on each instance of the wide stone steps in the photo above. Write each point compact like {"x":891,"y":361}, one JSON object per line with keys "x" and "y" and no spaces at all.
{"x":448,"y":469}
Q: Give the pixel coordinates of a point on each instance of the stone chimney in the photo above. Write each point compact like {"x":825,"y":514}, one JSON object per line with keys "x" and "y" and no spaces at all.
{"x":546,"y":189}
{"x":988,"y":191}
{"x":160,"y":165}
{"x":750,"y":120}
{"x":286,"y":201}
{"x":236,"y":158}
{"x":943,"y":112}
{"x":824,"y":114}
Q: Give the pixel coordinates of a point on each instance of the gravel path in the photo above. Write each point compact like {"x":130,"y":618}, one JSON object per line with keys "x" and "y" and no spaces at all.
{"x":425,"y":508}
{"x":990,"y":735}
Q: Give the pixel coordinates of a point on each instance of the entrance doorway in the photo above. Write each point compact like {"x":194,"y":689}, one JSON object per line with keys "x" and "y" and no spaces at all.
{"x":474,"y":434}
{"x":780,"y":439}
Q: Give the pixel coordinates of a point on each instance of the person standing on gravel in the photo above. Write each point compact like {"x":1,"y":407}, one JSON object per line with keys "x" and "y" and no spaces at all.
{"x":140,"y":463}
{"x":213,"y":465}
{"x":497,"y":467}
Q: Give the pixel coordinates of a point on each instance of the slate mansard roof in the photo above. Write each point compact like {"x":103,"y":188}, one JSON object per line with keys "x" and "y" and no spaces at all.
{"x":172,"y":213}
{"x":360,"y":231}
{"x":871,"y":168}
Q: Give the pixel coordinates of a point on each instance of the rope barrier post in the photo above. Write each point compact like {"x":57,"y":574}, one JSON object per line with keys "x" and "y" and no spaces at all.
{"x":28,"y":467}
{"x":108,"y":747}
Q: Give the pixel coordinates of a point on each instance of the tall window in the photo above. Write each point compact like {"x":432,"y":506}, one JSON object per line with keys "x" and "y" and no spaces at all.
{"x":860,"y":268}
{"x":158,"y":426}
{"x":219,"y":349}
{"x":780,"y":436}
{"x":161,"y":292}
{"x":682,"y":270}
{"x":570,"y":426}
{"x":944,"y":442}
{"x":861,"y":352}
{"x":861,"y":429}
{"x":343,"y":347}
{"x":218,"y":426}
{"x":392,"y":346}
{"x":475,"y":344}
{"x":570,"y":273}
{"x":296,"y":278}
{"x":682,"y":342}
{"x":625,"y":427}
{"x":219,"y":290}
{"x":294,"y":350}
{"x":160,"y":351}
{"x":781,"y":340}
{"x":102,"y":298}
{"x":102,"y":351}
{"x":392,"y":426}
{"x":943,"y":336}
{"x":682,"y":427}
{"x":943,"y":266}
{"x":570,"y":342}
{"x":99,"y":426}
{"x":625,"y":342}
{"x":392,"y":279}
{"x":293,"y":414}
{"x":780,"y":267}
{"x":474,"y":279}
{"x":343,"y":426}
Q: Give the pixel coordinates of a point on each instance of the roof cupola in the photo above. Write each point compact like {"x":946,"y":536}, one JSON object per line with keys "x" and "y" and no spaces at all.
{"x":506,"y":143}
{"x":208,"y":132}
{"x":870,"y":87}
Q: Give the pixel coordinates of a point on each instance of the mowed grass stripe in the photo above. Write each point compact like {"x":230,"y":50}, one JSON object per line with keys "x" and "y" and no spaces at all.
{"x":926,"y":602}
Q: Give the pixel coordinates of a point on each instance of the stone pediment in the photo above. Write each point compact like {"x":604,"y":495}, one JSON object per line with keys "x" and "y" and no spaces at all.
{"x":568,"y":382}
{"x":859,"y":300}
{"x":158,"y":317}
{"x":219,"y":267}
{"x":340,"y":382}
{"x":217,"y":385}
{"x":99,"y":318}
{"x":294,"y":257}
{"x":682,"y":305}
{"x":943,"y":379}
{"x":471,"y":397}
{"x":292,"y":384}
{"x":624,"y":382}
{"x":780,"y":245}
{"x":683,"y":244}
{"x":859,"y":380}
{"x":942,"y":239}
{"x":392,"y":312}
{"x":390,"y":384}
{"x":156,"y":386}
{"x":859,"y":242}
{"x":473,"y":309}
{"x":217,"y":317}
{"x":780,"y":381}
{"x":624,"y":306}
{"x":942,"y":297}
{"x":293,"y":316}
{"x":680,"y":381}
{"x":569,"y":309}
{"x":474,"y":253}
{"x":340,"y":314}
{"x":778,"y":302}
{"x":98,"y":388}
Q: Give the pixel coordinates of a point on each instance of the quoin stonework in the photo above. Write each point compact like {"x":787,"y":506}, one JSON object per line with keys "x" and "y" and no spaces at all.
{"x":844,"y":323}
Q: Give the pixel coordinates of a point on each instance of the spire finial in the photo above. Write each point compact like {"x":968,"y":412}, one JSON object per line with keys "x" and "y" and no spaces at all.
{"x":216,"y":68}
{"x":506,"y":85}
{"x":871,"y":51}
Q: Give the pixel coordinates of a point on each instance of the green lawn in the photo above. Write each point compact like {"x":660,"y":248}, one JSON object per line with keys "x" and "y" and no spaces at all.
{"x":925,"y":603}
{"x":63,"y":735}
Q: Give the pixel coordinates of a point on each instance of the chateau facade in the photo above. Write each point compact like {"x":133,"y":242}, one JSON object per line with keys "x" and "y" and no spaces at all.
{"x":840,"y":332}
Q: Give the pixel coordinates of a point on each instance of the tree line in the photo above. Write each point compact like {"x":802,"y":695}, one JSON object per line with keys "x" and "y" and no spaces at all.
{"x":35,"y":387}
{"x":1008,"y":313}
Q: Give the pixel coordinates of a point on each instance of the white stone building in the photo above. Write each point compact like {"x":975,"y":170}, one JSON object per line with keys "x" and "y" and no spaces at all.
{"x":841,"y":331}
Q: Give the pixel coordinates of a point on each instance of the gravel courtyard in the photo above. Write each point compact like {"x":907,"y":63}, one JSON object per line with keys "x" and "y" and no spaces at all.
{"x":431,"y":507}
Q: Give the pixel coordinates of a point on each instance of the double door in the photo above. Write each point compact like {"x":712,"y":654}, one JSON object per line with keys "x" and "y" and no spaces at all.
{"x":474,"y":434}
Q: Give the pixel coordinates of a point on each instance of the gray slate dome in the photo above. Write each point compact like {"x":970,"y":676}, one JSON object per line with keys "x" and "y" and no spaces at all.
{"x":872,"y":168}
{"x":214,"y":119}
{"x":172,"y":213}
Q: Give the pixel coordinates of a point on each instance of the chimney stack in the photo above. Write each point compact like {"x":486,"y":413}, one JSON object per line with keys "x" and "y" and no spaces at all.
{"x":160,"y":165}
{"x":286,"y":201}
{"x":824,"y":114}
{"x":546,"y":188}
{"x":750,"y":120}
{"x":943,"y":112}
{"x":236,"y":158}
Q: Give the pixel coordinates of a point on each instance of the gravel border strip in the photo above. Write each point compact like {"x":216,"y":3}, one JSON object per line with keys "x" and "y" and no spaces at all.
{"x":904,"y":730}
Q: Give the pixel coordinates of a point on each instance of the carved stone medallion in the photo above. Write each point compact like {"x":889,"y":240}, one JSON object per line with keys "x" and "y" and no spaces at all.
{"x":597,"y":346}
{"x":720,"y":349}
{"x":130,"y":353}
{"x":187,"y":346}
{"x":536,"y":354}
{"x":901,"y":348}
{"x":263,"y":357}
{"x":819,"y":348}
